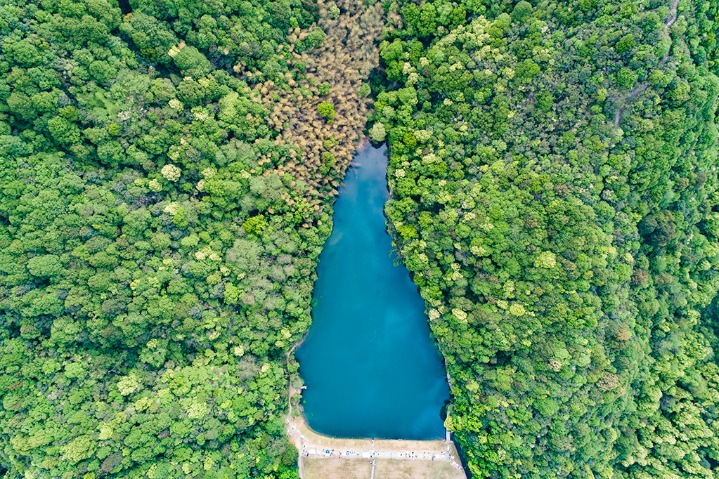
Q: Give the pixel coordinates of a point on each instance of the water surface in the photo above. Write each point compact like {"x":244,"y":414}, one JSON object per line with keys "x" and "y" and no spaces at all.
{"x":369,"y":363}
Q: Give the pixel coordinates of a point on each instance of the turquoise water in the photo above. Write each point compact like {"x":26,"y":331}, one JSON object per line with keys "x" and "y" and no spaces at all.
{"x":369,"y":363}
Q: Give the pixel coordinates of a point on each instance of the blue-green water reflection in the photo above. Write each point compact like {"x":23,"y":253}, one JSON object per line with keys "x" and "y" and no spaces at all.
{"x":369,"y":363}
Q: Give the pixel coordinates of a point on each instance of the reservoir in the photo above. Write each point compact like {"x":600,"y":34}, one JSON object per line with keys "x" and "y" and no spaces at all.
{"x":369,"y":363}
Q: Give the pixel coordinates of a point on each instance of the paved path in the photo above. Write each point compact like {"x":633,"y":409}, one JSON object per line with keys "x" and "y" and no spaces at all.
{"x":313,"y":445}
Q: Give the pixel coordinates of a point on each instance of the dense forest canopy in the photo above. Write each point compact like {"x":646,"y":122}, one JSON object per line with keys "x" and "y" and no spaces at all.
{"x":554,"y":176}
{"x":167,"y":169}
{"x":160,"y":222}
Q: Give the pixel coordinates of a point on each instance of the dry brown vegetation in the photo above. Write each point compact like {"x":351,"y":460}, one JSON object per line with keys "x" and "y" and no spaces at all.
{"x":333,"y":468}
{"x":344,"y":60}
{"x":399,"y":469}
{"x":318,"y":468}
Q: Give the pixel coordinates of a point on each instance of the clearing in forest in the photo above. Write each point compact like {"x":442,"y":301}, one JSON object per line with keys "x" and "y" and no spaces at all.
{"x":323,"y":457}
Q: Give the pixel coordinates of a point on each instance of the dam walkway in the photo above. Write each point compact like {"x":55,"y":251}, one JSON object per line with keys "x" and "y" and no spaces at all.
{"x":323,"y":457}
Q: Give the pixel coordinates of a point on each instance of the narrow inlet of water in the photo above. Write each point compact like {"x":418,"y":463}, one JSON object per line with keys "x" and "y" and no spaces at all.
{"x":369,"y":362}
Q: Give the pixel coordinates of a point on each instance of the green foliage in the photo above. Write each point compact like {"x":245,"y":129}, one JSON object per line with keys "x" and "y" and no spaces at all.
{"x":255,"y":225}
{"x":191,"y":62}
{"x":327,"y":110}
{"x":365,"y":90}
{"x":313,"y":40}
{"x":150,"y":36}
{"x":152,"y":271}
{"x":324,"y":88}
{"x":553,"y":168}
{"x":377,"y":133}
{"x":328,"y":162}
{"x":626,"y":43}
{"x":44,"y":266}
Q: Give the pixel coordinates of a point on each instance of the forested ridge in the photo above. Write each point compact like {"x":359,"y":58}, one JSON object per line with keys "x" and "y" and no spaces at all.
{"x":554,"y":175}
{"x":166,"y":175}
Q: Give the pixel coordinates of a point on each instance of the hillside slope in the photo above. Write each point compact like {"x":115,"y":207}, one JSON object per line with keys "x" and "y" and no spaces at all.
{"x":553,"y":167}
{"x":160,"y":224}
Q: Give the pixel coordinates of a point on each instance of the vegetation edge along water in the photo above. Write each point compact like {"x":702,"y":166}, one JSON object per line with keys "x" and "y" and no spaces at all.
{"x":165,"y":187}
{"x":554,"y":174}
{"x":370,"y":366}
{"x":167,"y":176}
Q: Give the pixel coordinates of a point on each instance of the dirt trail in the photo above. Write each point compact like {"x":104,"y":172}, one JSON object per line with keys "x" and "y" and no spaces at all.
{"x":672,"y":14}
{"x":671,"y":18}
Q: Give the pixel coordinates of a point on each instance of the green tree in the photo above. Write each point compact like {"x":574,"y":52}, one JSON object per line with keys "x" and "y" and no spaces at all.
{"x":327,"y":111}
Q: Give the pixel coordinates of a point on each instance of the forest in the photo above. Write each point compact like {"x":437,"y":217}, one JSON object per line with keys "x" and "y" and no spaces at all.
{"x":161,"y":213}
{"x":554,"y":176}
{"x":167,"y":174}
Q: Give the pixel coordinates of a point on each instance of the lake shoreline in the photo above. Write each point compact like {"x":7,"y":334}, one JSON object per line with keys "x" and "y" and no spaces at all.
{"x":327,"y":455}
{"x":370,"y":363}
{"x":297,"y":420}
